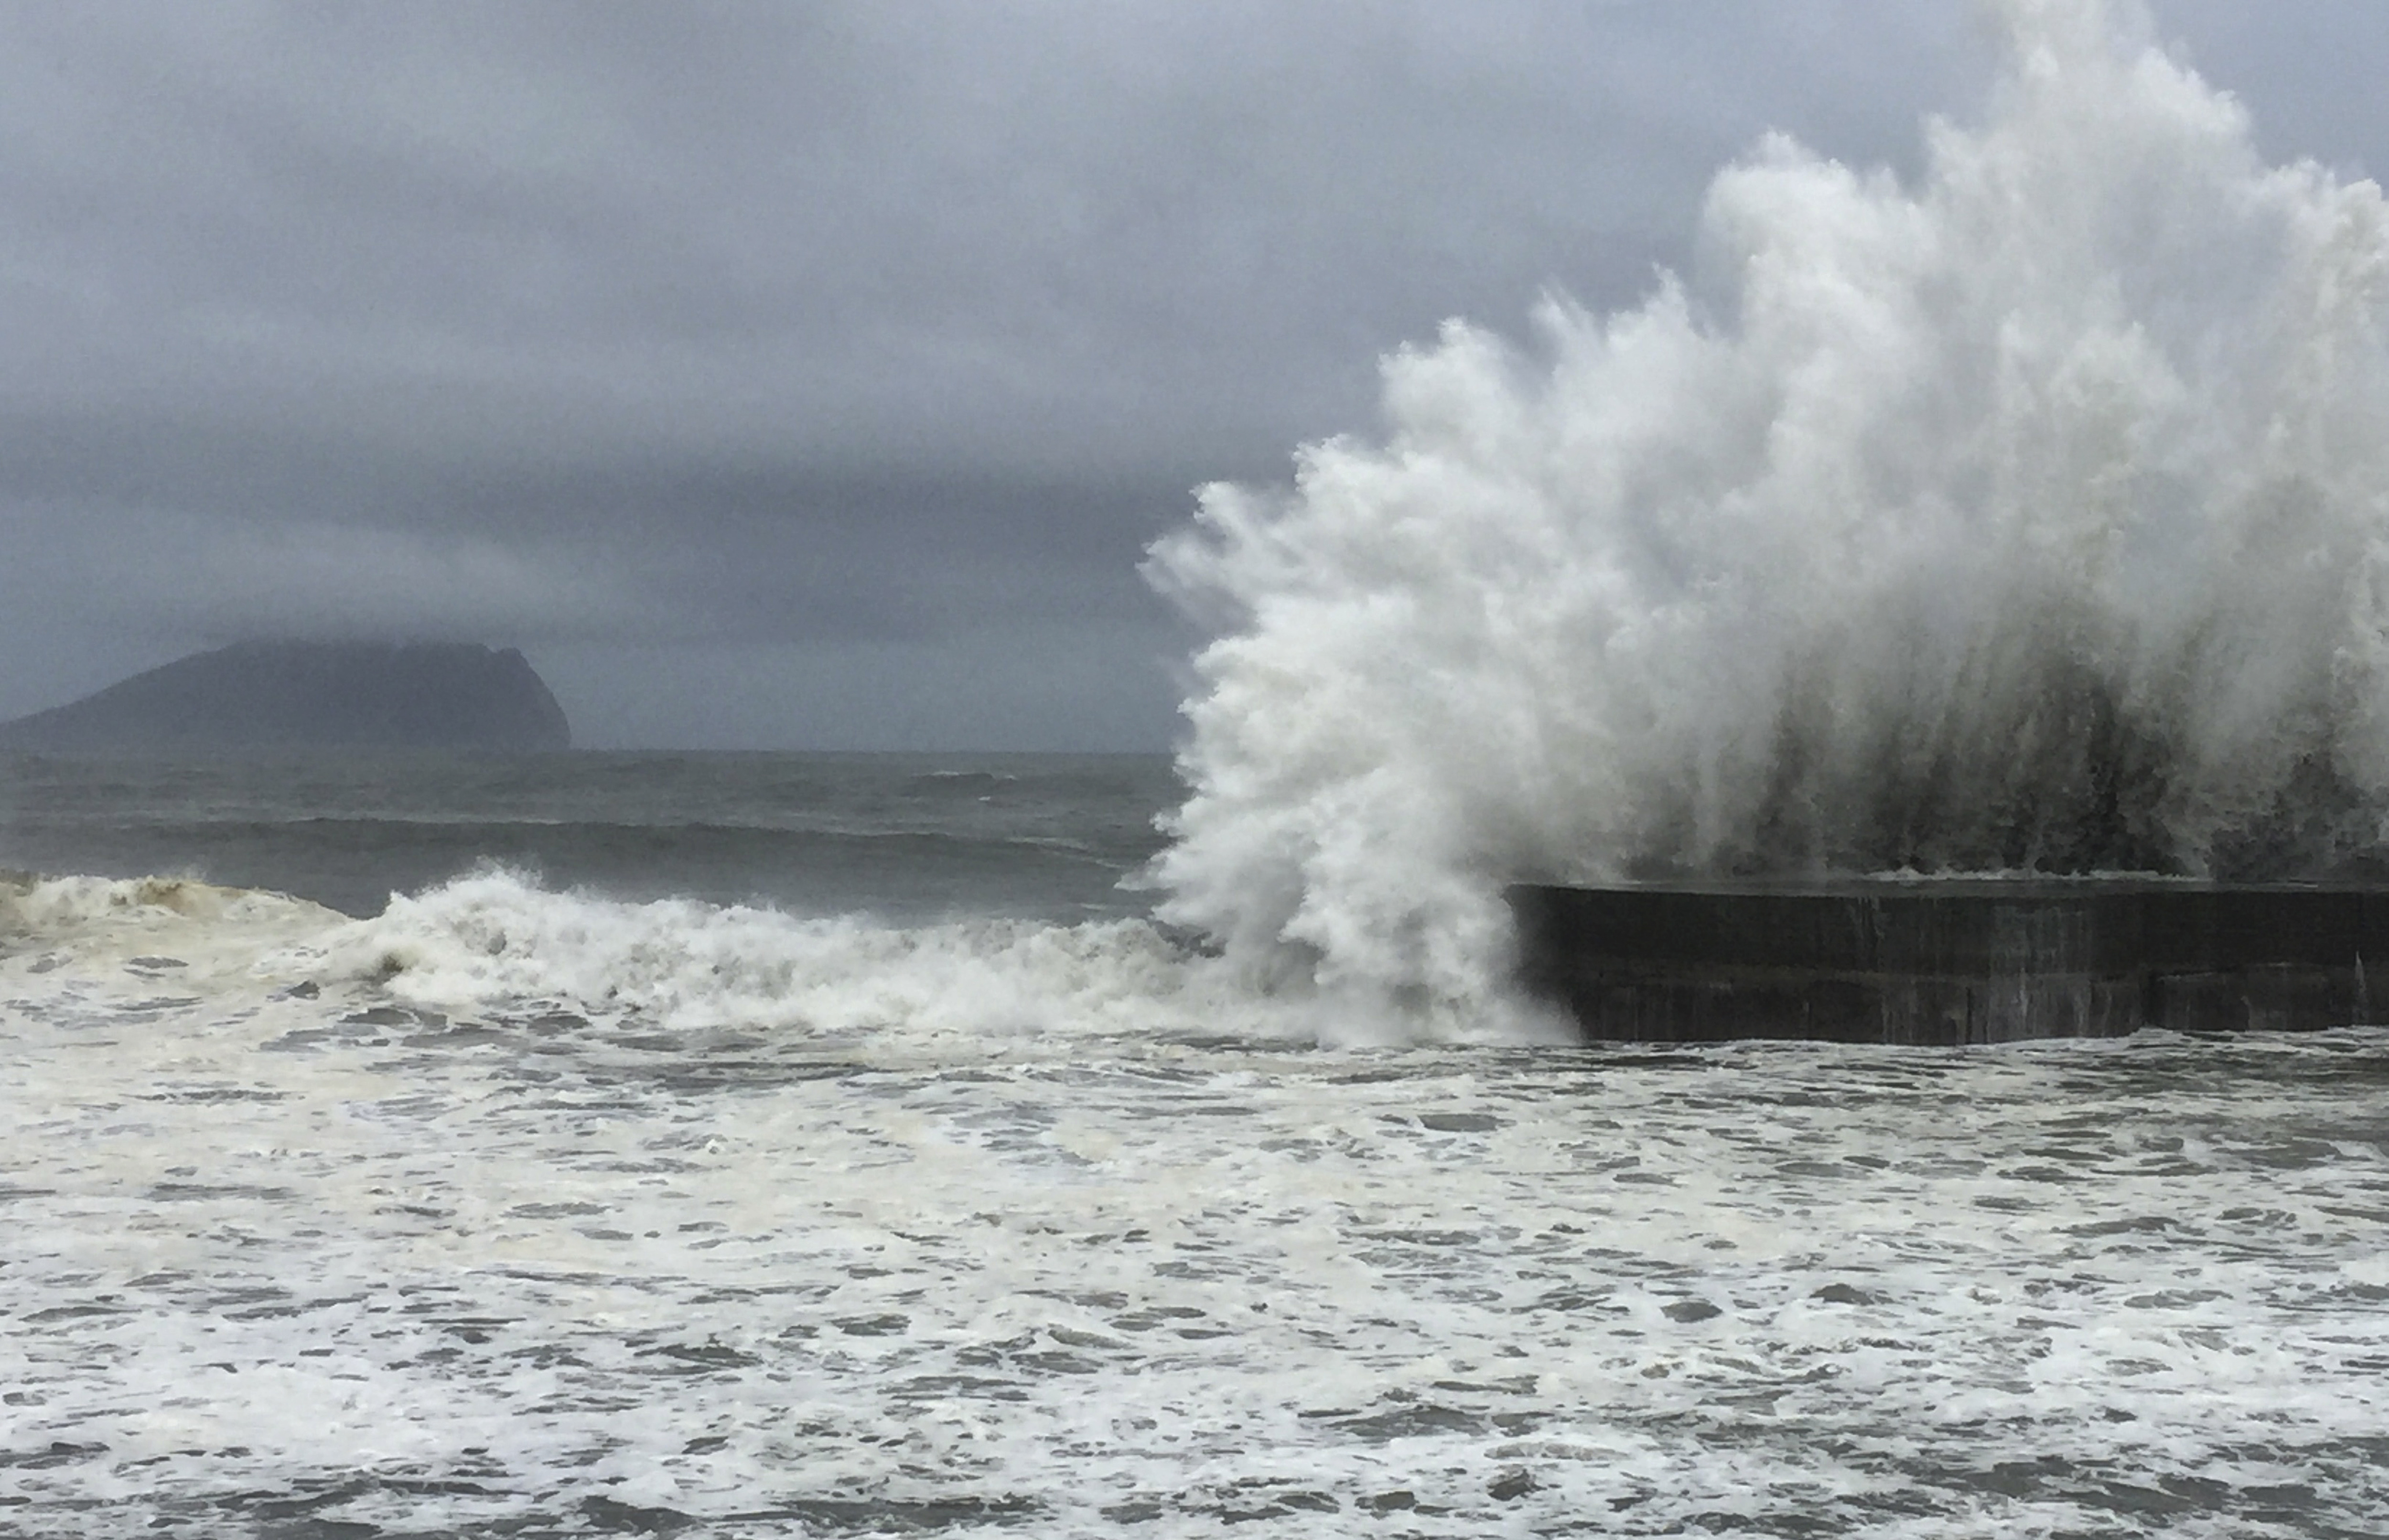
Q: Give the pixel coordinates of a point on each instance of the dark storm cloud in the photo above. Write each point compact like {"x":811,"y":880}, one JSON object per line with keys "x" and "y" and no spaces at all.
{"x":802,"y":373}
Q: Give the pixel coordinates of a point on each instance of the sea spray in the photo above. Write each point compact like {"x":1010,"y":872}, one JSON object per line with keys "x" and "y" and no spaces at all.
{"x":2032,"y":516}
{"x":496,"y":940}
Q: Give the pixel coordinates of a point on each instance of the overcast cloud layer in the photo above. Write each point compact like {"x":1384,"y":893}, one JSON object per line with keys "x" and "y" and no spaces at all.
{"x":813,"y":375}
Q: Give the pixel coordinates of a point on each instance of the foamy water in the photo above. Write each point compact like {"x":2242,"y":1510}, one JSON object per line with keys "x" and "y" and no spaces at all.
{"x":709,"y":1221}
{"x":2034,"y":513}
{"x":828,"y":1146}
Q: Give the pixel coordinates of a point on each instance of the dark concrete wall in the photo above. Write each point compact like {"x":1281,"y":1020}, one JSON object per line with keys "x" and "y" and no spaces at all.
{"x":1922,"y":963}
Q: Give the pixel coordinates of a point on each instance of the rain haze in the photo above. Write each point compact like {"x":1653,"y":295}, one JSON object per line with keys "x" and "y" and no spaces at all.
{"x":816,"y":377}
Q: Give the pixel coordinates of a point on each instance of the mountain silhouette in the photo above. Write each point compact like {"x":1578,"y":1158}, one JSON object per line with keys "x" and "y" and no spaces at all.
{"x":287,"y":694}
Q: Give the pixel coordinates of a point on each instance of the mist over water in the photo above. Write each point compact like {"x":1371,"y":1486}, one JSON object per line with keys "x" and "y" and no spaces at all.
{"x":2030,"y":516}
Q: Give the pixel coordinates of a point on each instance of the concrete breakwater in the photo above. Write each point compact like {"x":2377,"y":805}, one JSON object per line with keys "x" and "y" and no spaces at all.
{"x":1948,"y":962}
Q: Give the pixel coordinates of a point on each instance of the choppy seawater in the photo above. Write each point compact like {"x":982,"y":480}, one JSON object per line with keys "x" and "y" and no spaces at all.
{"x":944,"y":1194}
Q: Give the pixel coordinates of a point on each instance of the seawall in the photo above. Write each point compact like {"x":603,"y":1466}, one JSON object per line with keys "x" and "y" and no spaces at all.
{"x":1953,"y":962}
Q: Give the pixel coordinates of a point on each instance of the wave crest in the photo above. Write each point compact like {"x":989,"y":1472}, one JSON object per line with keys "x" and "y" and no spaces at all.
{"x":494,"y":940}
{"x":36,"y":908}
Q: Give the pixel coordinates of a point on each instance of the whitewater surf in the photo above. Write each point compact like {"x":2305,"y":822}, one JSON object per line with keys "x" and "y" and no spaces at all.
{"x":835,"y":1145}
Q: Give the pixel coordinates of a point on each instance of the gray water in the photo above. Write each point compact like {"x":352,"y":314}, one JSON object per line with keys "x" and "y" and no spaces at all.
{"x":902,"y":834}
{"x":800,"y":1145}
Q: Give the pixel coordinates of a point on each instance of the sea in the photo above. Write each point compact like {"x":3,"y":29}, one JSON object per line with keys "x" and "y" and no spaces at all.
{"x":835,"y":1145}
{"x":778,"y":1145}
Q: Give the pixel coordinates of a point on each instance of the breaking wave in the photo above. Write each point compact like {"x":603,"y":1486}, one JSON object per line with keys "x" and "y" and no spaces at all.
{"x":494,"y":940}
{"x":36,"y":910}
{"x":2030,"y":516}
{"x":496,"y":943}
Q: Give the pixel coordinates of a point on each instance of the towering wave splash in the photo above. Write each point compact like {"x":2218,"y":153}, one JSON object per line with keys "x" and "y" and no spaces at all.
{"x":2034,"y":515}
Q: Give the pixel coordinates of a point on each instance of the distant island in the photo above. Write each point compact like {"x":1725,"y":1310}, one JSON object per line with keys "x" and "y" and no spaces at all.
{"x":311,"y":694}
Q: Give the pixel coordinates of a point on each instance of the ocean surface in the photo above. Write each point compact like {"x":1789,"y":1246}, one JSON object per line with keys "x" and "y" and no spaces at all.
{"x":830,"y":1145}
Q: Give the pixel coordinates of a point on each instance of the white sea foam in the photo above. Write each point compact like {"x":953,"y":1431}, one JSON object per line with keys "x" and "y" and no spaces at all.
{"x":137,"y":931}
{"x":42,"y":908}
{"x":2031,"y":515}
{"x":350,"y":1259}
{"x":536,"y":1212}
{"x":497,"y":940}
{"x":494,"y":938}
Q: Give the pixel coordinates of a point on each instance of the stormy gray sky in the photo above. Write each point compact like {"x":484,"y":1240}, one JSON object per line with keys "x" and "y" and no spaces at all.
{"x":815,"y":375}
